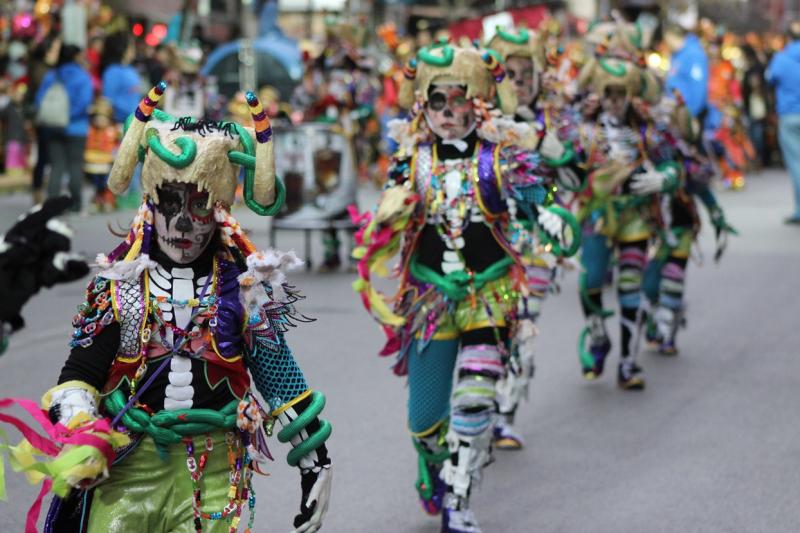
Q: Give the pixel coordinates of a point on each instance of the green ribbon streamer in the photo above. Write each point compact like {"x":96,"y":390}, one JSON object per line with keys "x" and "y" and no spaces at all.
{"x":457,"y":285}
{"x":3,"y":447}
{"x":53,"y":469}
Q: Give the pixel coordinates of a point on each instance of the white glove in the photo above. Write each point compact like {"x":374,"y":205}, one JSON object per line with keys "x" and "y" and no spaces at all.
{"x":551,"y":223}
{"x":319,"y":497}
{"x":68,"y":403}
{"x":551,"y":147}
{"x":648,"y":182}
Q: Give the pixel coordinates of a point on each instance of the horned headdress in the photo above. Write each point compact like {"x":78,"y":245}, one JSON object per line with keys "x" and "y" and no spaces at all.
{"x":205,"y":153}
{"x":619,"y":60}
{"x":522,"y":43}
{"x":479,"y":71}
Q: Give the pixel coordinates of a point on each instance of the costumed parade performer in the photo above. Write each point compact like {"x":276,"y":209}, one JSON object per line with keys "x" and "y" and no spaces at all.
{"x":629,"y":166}
{"x":557,"y":167}
{"x":445,"y":210}
{"x":35,"y":253}
{"x":154,"y":425}
{"x":665,"y":274}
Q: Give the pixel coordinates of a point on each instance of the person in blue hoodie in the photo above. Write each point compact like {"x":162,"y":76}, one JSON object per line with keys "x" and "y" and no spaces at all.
{"x":689,"y":71}
{"x":66,"y":146}
{"x":122,"y":85}
{"x":783,"y":73}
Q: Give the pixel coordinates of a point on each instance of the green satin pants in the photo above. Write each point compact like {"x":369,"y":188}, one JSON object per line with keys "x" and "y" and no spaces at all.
{"x":146,"y":492}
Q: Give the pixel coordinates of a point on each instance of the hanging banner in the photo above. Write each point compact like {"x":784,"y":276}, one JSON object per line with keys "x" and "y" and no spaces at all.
{"x":531,"y":17}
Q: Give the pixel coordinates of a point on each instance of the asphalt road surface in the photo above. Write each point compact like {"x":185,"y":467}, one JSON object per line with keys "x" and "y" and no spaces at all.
{"x":712,"y":444}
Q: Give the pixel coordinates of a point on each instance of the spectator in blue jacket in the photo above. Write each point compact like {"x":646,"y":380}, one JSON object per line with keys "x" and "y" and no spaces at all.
{"x":689,"y":68}
{"x":65,"y":147}
{"x":122,"y":85}
{"x":784,"y":74}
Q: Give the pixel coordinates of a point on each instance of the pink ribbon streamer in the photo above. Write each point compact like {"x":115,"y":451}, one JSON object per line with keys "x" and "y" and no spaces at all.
{"x":60,"y":436}
{"x":33,"y":513}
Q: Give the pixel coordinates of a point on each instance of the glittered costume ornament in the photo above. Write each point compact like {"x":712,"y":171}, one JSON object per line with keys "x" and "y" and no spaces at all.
{"x":154,"y":425}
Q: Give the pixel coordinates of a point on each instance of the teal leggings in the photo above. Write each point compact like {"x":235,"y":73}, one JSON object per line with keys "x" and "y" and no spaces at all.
{"x":430,"y":382}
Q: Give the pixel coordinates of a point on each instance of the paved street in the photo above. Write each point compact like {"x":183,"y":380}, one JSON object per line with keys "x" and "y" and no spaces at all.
{"x":712,"y":444}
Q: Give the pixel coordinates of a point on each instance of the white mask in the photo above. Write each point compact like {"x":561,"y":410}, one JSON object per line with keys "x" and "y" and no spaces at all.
{"x":184,"y":224}
{"x":449,"y":112}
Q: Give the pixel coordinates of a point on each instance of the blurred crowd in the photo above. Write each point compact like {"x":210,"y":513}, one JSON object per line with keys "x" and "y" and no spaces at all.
{"x":62,"y":107}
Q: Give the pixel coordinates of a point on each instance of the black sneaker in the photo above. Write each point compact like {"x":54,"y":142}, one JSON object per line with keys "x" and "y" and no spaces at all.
{"x":598,"y":353}
{"x":630,"y":376}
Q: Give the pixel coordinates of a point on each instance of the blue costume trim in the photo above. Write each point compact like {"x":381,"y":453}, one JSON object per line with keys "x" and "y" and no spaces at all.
{"x":276,"y":374}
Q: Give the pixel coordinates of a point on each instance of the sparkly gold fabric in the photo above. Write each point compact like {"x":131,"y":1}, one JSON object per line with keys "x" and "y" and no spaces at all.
{"x":502,"y":302}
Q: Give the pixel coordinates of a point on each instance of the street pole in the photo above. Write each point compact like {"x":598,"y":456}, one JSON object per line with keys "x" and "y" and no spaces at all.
{"x":247,"y":57}
{"x":310,"y":20}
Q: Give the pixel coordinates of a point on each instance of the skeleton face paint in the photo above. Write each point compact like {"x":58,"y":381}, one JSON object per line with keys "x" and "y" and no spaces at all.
{"x":521,"y":73}
{"x":615,"y":101}
{"x":184,"y":225}
{"x":449,"y":112}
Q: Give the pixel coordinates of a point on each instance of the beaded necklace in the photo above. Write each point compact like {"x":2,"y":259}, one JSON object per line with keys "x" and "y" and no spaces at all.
{"x":451,"y":214}
{"x":239,"y":491}
{"x":155,"y":321}
{"x":191,"y":302}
